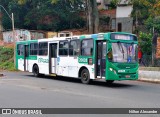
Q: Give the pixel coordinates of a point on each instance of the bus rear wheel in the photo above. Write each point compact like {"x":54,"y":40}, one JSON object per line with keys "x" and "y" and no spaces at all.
{"x":36,"y":71}
{"x":85,"y":77}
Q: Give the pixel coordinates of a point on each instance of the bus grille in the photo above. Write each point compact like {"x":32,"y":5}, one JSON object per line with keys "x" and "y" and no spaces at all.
{"x":129,"y":66}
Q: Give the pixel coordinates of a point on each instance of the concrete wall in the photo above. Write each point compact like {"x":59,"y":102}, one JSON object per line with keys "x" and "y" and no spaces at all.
{"x":127,"y":24}
{"x":19,"y":35}
{"x":123,"y":17}
{"x":37,"y":35}
{"x":22,"y":35}
{"x":123,"y":11}
{"x":51,"y":34}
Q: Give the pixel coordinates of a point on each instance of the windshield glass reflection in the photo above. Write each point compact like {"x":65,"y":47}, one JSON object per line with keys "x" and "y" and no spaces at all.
{"x":124,"y":52}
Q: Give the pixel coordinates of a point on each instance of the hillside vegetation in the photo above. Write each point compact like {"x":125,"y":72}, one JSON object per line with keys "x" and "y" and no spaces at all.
{"x":6,"y":58}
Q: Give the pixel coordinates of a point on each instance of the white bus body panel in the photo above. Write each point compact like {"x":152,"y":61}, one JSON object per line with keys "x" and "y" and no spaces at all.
{"x":67,"y":66}
{"x":27,"y":65}
{"x":73,"y":67}
{"x":62,"y":66}
{"x":43,"y":64}
{"x":21,"y":64}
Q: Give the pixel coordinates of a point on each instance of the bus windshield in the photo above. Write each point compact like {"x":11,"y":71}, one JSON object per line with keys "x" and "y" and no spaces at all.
{"x":124,"y":52}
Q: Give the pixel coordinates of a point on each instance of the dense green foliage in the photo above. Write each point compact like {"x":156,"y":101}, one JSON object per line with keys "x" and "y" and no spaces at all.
{"x":146,"y":12}
{"x":6,"y":58}
{"x":153,"y":23}
{"x":145,"y":42}
{"x":43,"y":14}
{"x":59,"y":15}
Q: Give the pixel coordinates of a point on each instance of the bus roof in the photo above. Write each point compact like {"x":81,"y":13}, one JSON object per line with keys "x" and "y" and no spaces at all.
{"x":50,"y":39}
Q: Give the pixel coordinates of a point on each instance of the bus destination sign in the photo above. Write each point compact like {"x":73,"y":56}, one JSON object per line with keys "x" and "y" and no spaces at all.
{"x":123,"y":37}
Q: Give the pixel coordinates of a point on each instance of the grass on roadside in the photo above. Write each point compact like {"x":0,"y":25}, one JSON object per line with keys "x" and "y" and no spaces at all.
{"x":7,"y":58}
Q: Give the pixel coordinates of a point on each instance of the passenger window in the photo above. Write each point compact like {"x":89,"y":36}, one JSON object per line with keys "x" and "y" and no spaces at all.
{"x":33,"y":48}
{"x":63,"y":48}
{"x":43,"y":48}
{"x":74,"y":47}
{"x":87,"y":47}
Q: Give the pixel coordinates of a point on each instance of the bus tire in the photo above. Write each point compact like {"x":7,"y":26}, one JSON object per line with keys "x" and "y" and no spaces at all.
{"x":85,"y":77}
{"x":36,"y":71}
{"x":109,"y":82}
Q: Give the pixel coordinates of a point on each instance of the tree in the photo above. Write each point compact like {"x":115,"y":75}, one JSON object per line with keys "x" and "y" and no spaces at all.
{"x":44,"y":15}
{"x":153,"y":23}
{"x":143,"y":9}
{"x":92,"y":16}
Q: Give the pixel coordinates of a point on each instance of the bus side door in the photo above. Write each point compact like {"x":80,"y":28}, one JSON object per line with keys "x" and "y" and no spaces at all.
{"x":52,"y":57}
{"x":101,"y":59}
{"x":26,"y":55}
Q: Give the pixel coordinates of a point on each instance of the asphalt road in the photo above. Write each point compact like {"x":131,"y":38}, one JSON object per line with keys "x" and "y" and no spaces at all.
{"x":22,"y":90}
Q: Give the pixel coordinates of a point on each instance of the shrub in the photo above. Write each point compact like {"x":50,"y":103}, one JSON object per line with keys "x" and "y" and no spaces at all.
{"x":145,"y":42}
{"x":6,"y":58}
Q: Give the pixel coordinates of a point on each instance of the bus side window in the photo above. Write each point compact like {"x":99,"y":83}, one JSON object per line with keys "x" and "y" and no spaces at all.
{"x":43,"y":48}
{"x":63,"y":48}
{"x":74,"y":47}
{"x":87,"y":47}
{"x":33,"y":48}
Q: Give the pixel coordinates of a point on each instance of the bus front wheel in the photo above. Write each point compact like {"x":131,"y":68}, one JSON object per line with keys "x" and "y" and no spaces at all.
{"x":36,"y":71}
{"x":109,"y":82}
{"x":85,"y":77}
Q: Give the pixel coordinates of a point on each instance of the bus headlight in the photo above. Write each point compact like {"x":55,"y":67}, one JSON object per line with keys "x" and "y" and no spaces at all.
{"x":111,"y":69}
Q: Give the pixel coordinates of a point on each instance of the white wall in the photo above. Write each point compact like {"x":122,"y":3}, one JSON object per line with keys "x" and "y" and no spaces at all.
{"x":123,"y":11}
{"x":19,"y":35}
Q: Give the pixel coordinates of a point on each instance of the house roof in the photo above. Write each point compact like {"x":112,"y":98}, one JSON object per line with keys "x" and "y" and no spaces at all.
{"x":107,"y":12}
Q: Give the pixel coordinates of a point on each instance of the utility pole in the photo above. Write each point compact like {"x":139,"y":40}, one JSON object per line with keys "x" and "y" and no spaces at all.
{"x":14,"y":40}
{"x":13,"y":31}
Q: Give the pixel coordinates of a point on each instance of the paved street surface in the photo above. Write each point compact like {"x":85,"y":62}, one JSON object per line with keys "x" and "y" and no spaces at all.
{"x":22,"y":90}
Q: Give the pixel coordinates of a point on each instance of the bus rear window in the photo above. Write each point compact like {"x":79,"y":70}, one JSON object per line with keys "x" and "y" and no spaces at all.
{"x":20,"y":49}
{"x":116,"y":36}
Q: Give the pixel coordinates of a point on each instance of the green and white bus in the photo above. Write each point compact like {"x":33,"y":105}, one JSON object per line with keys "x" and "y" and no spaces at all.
{"x":108,"y":56}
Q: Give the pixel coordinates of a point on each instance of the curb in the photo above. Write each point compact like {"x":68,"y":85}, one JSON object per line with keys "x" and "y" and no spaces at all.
{"x":149,"y":80}
{"x":149,"y":68}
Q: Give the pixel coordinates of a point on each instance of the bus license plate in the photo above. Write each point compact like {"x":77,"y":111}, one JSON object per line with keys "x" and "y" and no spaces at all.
{"x":127,"y":76}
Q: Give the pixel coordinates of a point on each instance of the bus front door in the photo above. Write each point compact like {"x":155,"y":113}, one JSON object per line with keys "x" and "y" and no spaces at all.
{"x":26,"y":54}
{"x":101,"y":59}
{"x":52,"y":57}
